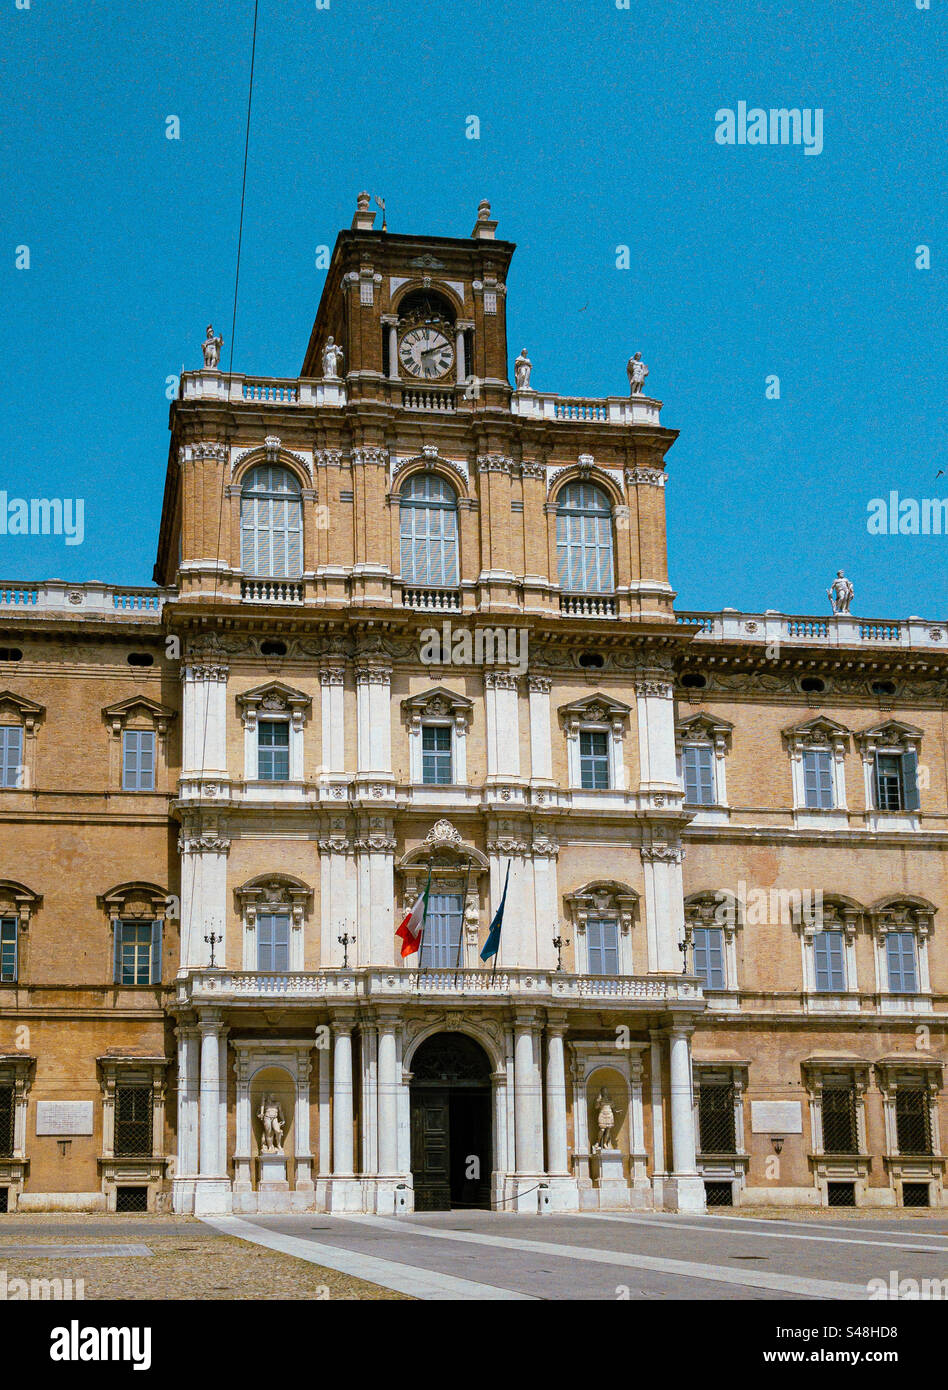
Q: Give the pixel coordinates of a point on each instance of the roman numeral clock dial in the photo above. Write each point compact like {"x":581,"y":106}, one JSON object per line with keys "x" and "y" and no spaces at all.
{"x":426,"y":353}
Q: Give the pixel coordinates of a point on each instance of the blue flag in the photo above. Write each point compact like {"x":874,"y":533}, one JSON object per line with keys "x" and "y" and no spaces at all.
{"x":492,"y":944}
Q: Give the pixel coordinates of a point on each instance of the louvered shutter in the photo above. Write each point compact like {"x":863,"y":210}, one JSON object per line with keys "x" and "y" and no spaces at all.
{"x":156,"y":953}
{"x":117,"y":950}
{"x":910,"y":780}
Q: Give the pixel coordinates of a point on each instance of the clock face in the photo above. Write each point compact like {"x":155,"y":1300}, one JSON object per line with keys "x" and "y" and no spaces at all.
{"x":425,"y":352}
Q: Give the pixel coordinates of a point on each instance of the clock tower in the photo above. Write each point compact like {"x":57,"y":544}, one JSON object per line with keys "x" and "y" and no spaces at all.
{"x":421,"y":320}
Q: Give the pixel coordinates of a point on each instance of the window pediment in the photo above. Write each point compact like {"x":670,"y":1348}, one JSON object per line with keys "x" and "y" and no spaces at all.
{"x":703,"y":728}
{"x":594,"y":709}
{"x":140,"y":710}
{"x":894,"y":733}
{"x":821,"y":732}
{"x":902,"y":913}
{"x":25,"y":712}
{"x":136,"y":900}
{"x":438,"y":703}
{"x":274,"y":698}
{"x":602,"y":898}
{"x":16,"y":900}
{"x":274,"y":893}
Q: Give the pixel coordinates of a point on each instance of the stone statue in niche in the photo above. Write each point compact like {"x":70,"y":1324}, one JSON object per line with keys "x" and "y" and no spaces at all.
{"x":212,"y":349}
{"x":841,"y":593}
{"x":605,"y":1122}
{"x":637,"y":372}
{"x":332,"y":357}
{"x":271,"y":1117}
{"x":522,"y":369}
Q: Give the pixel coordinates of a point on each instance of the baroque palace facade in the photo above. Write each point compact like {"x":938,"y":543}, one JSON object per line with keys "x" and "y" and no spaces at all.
{"x":414,"y":623}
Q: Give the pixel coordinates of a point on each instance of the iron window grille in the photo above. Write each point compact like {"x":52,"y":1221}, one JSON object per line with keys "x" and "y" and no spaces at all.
{"x":912,"y":1120}
{"x":840,"y":1132}
{"x":716,"y":1117}
{"x":131,"y":1198}
{"x":719,"y":1194}
{"x":6,"y":1121}
{"x":133,"y":1112}
{"x":841,"y":1194}
{"x":916,"y":1194}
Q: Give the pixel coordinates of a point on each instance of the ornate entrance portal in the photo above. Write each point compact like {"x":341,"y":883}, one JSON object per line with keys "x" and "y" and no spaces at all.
{"x":451,"y":1150}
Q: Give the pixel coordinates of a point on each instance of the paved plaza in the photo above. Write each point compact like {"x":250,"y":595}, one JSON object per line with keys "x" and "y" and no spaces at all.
{"x":483,"y":1255}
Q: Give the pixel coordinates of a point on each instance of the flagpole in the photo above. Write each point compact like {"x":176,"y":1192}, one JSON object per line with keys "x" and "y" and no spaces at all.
{"x":424,"y":923}
{"x":497,"y":952}
{"x":467,"y":880}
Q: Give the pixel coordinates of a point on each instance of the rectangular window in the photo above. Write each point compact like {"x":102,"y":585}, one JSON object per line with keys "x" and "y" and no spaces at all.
{"x":913,"y":1120}
{"x":11,"y":755}
{"x":593,"y":759}
{"x":900,"y":958}
{"x":829,"y":954}
{"x":273,"y":941}
{"x":137,"y":953}
{"x":707,"y":944}
{"x":716,"y":1118}
{"x":602,"y":946}
{"x":273,"y":750}
{"x":442,"y":935}
{"x":818,"y":779}
{"x":138,"y":760}
{"x":698,"y":767}
{"x":896,"y":780}
{"x":436,"y":755}
{"x":133,"y":1111}
{"x":8,"y":950}
{"x":6,"y":1121}
{"x":839,"y":1120}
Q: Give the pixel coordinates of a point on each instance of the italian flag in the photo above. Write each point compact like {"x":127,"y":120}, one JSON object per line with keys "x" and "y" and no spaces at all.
{"x":413,"y":927}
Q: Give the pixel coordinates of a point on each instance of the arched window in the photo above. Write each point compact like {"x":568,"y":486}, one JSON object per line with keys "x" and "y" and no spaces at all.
{"x":429,"y":531}
{"x":584,"y":539}
{"x":271,"y":524}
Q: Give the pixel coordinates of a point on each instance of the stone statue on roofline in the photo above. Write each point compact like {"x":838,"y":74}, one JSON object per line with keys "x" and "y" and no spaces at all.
{"x":522,"y":369}
{"x":841,"y":594}
{"x":212,"y":349}
{"x":636,"y":371}
{"x":332,"y":357}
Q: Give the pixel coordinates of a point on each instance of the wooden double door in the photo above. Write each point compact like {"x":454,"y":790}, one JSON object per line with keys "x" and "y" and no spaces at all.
{"x":451,"y":1151}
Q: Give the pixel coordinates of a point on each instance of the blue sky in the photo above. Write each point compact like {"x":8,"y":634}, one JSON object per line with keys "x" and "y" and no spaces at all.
{"x":597,"y":130}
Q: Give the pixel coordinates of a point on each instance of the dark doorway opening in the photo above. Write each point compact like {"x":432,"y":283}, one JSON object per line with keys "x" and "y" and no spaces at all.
{"x":451,"y":1151}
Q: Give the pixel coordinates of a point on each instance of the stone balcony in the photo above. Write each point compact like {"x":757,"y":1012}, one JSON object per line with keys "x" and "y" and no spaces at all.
{"x":432,"y":399}
{"x":833,"y":631}
{"x":373,"y":985}
{"x":55,"y":598}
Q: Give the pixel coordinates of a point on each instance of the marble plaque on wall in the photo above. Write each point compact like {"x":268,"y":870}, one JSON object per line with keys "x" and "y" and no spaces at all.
{"x":64,"y":1117}
{"x":776,"y":1117}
